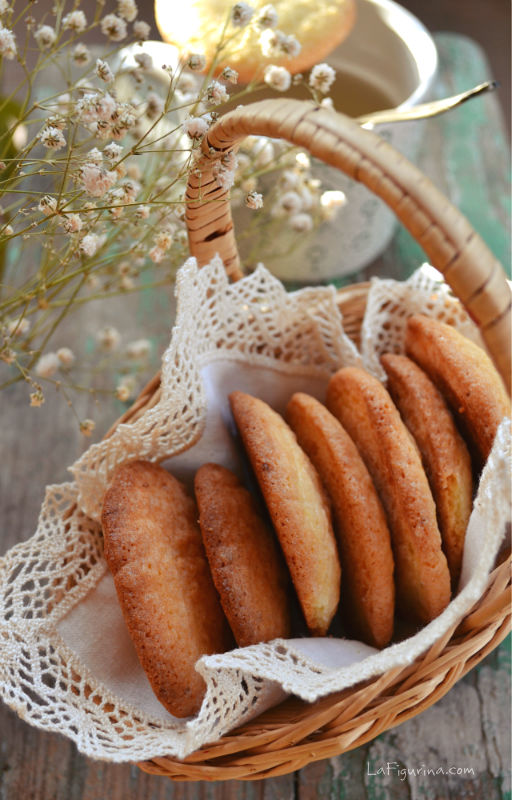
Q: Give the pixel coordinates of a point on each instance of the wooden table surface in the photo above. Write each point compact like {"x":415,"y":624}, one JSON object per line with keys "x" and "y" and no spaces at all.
{"x":464,"y":738}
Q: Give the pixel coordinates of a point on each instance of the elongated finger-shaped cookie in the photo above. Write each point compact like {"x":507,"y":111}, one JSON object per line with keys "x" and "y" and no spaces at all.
{"x":464,"y":374}
{"x":298,"y":506}
{"x":367,"y":412}
{"x":243,"y":557}
{"x":360,"y":523}
{"x":154,"y":551}
{"x":444,"y":453}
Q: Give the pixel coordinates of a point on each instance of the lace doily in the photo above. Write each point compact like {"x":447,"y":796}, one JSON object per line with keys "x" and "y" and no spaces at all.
{"x":66,"y":661}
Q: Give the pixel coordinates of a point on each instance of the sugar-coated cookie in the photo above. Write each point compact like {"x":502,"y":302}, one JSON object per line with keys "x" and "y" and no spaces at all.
{"x":244,"y":558}
{"x":298,"y":507}
{"x":366,"y":411}
{"x":360,"y":522}
{"x":154,"y":551}
{"x":444,"y":453}
{"x":464,"y":374}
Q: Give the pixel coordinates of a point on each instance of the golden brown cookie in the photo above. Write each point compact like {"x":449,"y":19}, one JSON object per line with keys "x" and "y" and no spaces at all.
{"x":464,"y":374}
{"x":444,"y":453}
{"x":367,"y":412}
{"x":243,"y":556}
{"x":154,"y":551}
{"x":298,"y":507}
{"x":363,"y":535}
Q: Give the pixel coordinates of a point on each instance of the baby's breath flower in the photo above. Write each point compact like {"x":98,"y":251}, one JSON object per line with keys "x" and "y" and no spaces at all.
{"x":8,"y":230}
{"x":127,"y":9}
{"x":130,"y":190}
{"x":47,"y":365}
{"x":89,"y":244}
{"x":37,"y":398}
{"x":156,"y":254}
{"x":95,"y":156}
{"x":72,"y":223}
{"x":254,"y":200}
{"x":229,"y":75}
{"x":87,"y":426}
{"x":216,"y":93}
{"x":18,"y":327}
{"x":7,"y":43}
{"x":164,"y":239}
{"x":196,"y":62}
{"x":108,"y":338}
{"x":195,"y":127}
{"x":112,"y":151}
{"x":302,"y":223}
{"x":103,"y":71}
{"x":114,"y":27}
{"x":138,"y":349}
{"x":123,"y":392}
{"x":241,"y":14}
{"x":75,"y":21}
{"x":291,"y":202}
{"x":277,"y":78}
{"x":267,"y":17}
{"x":141,"y":30}
{"x":155,"y":106}
{"x":66,"y":357}
{"x":96,"y":180}
{"x":52,"y":138}
{"x":4,"y":6}
{"x":45,"y":36}
{"x":321,"y":77}
{"x":224,"y":170}
{"x":81,"y":54}
{"x":331,"y":202}
{"x":142,"y":212}
{"x":47,"y":204}
{"x":126,"y":283}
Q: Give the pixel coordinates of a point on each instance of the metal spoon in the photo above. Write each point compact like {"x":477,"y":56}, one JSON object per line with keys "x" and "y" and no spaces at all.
{"x":424,"y":110}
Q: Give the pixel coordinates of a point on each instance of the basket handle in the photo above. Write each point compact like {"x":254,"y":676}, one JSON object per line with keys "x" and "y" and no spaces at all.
{"x":450,"y":243}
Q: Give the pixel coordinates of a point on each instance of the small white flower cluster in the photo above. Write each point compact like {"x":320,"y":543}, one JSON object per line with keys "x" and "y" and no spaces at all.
{"x":52,"y":138}
{"x":96,"y":180}
{"x":277,"y":78}
{"x":76,"y":21}
{"x":321,"y":78}
{"x":45,"y":36}
{"x":224,"y":170}
{"x":275,"y":43}
{"x":103,"y":71}
{"x":114,"y":27}
{"x":241,"y":14}
{"x":216,"y":93}
{"x":196,"y":127}
{"x":127,"y":9}
{"x":254,"y":200}
{"x":104,"y":116}
{"x":48,"y":364}
{"x":162,"y":243}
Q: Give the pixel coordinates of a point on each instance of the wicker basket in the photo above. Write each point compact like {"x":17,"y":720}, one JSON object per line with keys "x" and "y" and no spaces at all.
{"x":296,"y":733}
